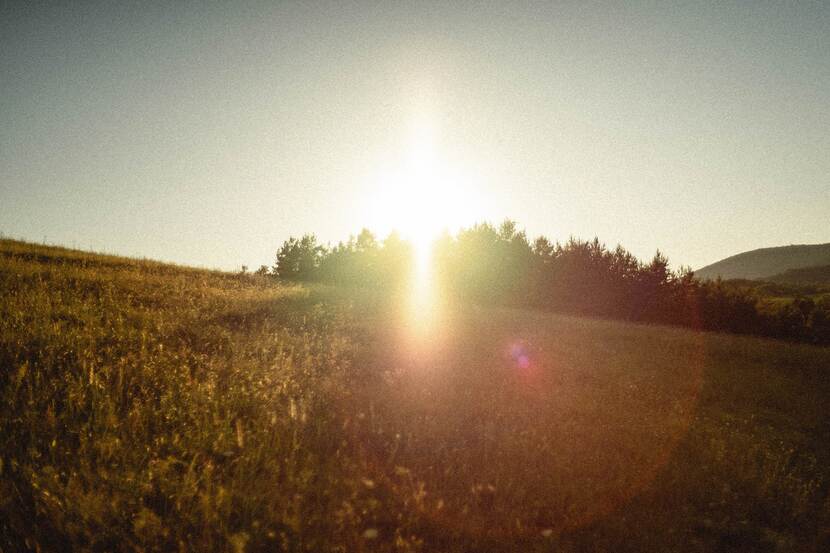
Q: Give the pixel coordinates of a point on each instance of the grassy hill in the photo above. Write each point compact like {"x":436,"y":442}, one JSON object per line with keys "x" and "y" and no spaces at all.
{"x":148,"y":407}
{"x":767,"y":262}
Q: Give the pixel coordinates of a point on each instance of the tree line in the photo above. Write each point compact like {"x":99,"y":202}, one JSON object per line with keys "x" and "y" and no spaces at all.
{"x":499,"y":265}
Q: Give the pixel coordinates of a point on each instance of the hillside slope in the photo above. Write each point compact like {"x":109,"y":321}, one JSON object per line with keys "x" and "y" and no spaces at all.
{"x":766,"y":262}
{"x":148,"y":407}
{"x":806,"y":276}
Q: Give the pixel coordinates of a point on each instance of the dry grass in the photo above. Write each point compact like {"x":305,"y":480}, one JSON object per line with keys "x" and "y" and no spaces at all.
{"x":152,"y":407}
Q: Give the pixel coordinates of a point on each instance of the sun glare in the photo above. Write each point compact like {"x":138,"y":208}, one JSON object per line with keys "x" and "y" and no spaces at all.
{"x":424,"y":194}
{"x":420,"y":196}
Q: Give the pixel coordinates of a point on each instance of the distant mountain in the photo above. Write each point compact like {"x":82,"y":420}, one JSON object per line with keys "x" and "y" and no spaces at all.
{"x":807,"y":276}
{"x":767,"y":262}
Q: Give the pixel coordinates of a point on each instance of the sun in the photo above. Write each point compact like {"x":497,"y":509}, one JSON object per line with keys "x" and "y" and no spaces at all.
{"x":424,"y":195}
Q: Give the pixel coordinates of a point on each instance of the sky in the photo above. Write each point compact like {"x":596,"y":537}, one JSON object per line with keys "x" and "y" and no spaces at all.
{"x":208,"y":133}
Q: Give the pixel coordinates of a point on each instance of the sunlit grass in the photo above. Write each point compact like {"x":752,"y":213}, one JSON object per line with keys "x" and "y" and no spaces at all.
{"x":151,"y":407}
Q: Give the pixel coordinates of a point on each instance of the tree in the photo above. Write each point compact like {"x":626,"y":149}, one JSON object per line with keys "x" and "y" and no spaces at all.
{"x":298,"y":259}
{"x":366,"y":241}
{"x":543,"y":248}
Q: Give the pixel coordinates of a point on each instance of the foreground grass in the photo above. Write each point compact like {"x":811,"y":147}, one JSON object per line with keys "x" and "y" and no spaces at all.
{"x":152,"y":407}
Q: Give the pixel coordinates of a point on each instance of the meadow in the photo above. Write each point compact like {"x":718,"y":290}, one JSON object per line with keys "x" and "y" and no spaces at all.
{"x":151,"y":407}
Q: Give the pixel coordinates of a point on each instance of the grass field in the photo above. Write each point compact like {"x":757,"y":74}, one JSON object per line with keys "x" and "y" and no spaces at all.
{"x":151,"y":407}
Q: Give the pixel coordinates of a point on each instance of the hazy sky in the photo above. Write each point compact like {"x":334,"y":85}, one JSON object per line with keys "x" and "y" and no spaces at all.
{"x":206,"y":134}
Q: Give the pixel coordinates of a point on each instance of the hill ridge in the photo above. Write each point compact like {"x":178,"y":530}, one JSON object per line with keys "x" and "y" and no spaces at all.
{"x":767,"y":262}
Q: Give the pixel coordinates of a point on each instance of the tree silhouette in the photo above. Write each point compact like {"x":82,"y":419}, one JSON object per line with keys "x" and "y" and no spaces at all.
{"x":298,"y":259}
{"x":498,"y":265}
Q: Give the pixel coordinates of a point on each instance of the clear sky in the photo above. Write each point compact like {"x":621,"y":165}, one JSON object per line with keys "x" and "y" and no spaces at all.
{"x":206,"y":134}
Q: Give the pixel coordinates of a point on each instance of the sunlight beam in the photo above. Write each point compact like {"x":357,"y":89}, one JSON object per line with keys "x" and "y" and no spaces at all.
{"x":420,"y":195}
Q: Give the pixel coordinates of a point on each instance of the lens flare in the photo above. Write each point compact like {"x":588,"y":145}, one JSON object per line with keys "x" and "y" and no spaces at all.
{"x":520,"y":355}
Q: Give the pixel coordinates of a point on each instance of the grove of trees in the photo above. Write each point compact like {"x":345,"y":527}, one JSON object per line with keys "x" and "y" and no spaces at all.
{"x":486,"y":264}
